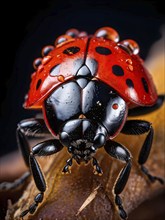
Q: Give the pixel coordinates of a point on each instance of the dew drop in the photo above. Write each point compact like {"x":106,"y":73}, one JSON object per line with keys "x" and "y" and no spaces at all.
{"x":46,"y":50}
{"x":40,"y":68}
{"x":32,"y":75}
{"x":72,"y":32}
{"x":107,"y":33}
{"x":129,"y":61}
{"x":130,"y":67}
{"x":37,"y":62}
{"x":46,"y":59}
{"x":82,"y":34}
{"x":131,"y":46}
{"x":62,"y":39}
{"x":61,"y":78}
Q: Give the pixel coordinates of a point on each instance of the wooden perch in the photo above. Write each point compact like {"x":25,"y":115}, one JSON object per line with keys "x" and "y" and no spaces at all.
{"x":83,"y":195}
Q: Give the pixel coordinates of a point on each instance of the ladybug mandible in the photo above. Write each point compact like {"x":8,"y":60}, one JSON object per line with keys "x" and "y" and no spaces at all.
{"x":86,"y":86}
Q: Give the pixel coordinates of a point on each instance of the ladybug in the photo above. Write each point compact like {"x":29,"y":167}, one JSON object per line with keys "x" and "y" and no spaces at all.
{"x":86,"y":86}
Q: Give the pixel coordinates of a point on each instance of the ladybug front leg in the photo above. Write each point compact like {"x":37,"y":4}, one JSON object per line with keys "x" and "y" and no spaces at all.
{"x":119,"y":152}
{"x":45,"y":148}
{"x":26,"y":128}
{"x":137,"y":127}
{"x":29,"y":128}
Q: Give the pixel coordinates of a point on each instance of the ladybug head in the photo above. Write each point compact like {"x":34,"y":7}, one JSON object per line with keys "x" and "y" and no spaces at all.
{"x":82,"y":137}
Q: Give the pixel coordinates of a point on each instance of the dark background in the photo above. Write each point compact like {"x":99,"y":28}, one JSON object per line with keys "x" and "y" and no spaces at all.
{"x":27,"y":27}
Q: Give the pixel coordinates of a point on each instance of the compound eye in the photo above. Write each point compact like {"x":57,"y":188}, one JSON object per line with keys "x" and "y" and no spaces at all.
{"x":130,"y":46}
{"x":72,"y":32}
{"x":107,"y":33}
{"x":37,"y":62}
{"x":62,"y":39}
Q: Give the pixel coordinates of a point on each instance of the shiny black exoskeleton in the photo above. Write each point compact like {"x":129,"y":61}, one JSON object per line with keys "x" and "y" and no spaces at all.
{"x":85,"y":114}
{"x":82,"y":113}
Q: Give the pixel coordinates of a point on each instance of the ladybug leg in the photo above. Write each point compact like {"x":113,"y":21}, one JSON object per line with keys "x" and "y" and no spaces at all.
{"x":137,"y":127}
{"x":97,"y":168}
{"x":29,"y":128}
{"x":26,"y":128}
{"x":119,"y":152}
{"x":66,"y":168}
{"x":142,"y":110}
{"x":45,"y":148}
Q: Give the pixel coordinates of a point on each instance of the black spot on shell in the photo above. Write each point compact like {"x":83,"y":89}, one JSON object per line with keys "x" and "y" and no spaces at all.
{"x":145,"y":85}
{"x":71,"y":50}
{"x":103,"y":50}
{"x":38,"y":84}
{"x":129,"y":83}
{"x":54,"y":71}
{"x":117,"y":70}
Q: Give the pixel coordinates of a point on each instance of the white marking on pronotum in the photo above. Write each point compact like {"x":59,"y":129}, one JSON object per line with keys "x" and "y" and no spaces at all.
{"x":88,"y":199}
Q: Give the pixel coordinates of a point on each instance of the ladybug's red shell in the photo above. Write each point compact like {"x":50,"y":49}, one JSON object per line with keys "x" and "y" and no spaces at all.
{"x":122,"y":71}
{"x":62,"y":67}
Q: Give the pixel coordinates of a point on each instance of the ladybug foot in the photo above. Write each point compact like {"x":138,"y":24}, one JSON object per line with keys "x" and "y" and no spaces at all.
{"x":67,"y":167}
{"x":97,"y":169}
{"x":122,"y":212}
{"x":32,"y":208}
{"x":150,"y":177}
{"x":66,"y":170}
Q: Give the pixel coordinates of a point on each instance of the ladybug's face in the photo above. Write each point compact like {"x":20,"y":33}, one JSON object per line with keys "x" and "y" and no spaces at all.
{"x":82,"y":108}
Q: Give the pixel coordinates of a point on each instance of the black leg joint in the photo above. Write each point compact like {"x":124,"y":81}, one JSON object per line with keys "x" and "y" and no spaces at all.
{"x":66,"y":168}
{"x":97,"y":168}
{"x":32,"y":208}
{"x":39,"y":197}
{"x":122,"y":213}
{"x":29,"y":128}
{"x":118,"y":200}
{"x":47,"y":148}
{"x":25,"y":212}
